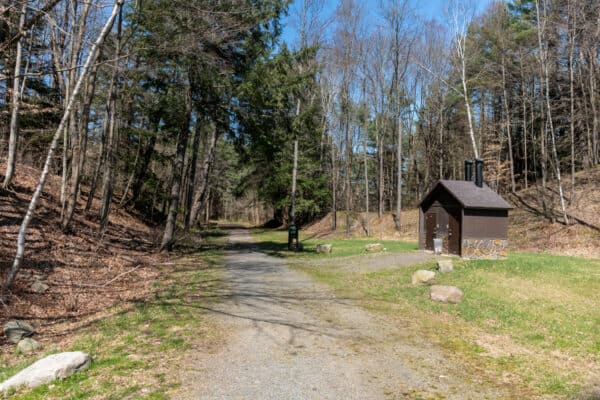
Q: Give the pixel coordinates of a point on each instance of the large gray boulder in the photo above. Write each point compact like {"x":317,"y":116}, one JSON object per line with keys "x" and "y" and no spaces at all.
{"x":324,"y":248}
{"x":445,"y":265}
{"x":423,"y":277}
{"x":374,"y":248}
{"x":17,"y":330}
{"x":55,"y":366}
{"x":446,"y":294}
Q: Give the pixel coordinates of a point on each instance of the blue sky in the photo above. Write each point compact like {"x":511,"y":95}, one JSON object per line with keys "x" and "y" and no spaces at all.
{"x":427,"y":9}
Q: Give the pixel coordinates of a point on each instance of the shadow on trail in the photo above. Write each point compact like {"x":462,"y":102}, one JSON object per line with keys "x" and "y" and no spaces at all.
{"x":261,"y":289}
{"x":271,"y":248}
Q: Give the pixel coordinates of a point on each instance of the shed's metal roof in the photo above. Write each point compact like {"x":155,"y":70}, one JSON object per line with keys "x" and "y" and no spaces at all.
{"x":469,"y":195}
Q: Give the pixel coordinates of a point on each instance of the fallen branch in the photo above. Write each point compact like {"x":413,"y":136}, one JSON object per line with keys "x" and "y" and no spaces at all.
{"x":112,"y":280}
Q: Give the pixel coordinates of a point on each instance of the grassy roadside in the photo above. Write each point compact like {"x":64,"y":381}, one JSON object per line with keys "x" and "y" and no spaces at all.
{"x":275,"y":243}
{"x":531,"y":321}
{"x":137,"y":347}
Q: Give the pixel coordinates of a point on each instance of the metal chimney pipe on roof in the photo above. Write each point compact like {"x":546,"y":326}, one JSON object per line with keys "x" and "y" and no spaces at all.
{"x":468,"y":170}
{"x":479,"y":172}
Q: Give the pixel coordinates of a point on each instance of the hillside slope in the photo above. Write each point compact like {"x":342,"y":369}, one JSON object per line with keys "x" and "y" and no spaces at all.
{"x":529,"y":229}
{"x":85,"y":273}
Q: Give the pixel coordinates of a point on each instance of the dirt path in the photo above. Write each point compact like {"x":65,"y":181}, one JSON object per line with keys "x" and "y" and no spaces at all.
{"x":287,"y":337}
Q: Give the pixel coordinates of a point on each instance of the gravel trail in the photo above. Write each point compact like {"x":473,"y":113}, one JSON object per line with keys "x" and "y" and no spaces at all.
{"x":287,"y":337}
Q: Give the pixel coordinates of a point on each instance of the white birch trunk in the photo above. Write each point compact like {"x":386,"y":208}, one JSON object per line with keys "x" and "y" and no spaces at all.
{"x":16,"y":102}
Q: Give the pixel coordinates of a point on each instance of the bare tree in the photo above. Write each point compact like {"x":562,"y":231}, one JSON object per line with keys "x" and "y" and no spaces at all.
{"x":15,"y":103}
{"x":543,"y":58}
{"x":461,"y":13}
{"x":350,"y":15}
{"x":22,"y":237}
{"x":397,"y":16}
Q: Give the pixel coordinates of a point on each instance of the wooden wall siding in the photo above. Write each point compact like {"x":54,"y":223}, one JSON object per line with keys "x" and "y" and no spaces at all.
{"x":485,"y":224}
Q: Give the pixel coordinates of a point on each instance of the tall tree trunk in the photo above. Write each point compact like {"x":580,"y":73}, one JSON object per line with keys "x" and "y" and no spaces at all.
{"x":71,"y":138}
{"x":22,"y":236}
{"x":141,"y":171}
{"x":98,"y":169}
{"x":380,"y":171}
{"x":109,"y":164}
{"x":465,"y":94}
{"x":192,"y":177}
{"x":398,"y":216}
{"x":80,"y":151}
{"x":334,"y":183}
{"x":206,"y":167}
{"x":294,"y":171}
{"x":513,"y":185}
{"x":595,"y":122}
{"x":182,"y":140}
{"x":524,"y":105}
{"x":347,"y":169}
{"x":366,"y":168}
{"x":544,"y":65}
{"x":15,"y":103}
{"x":294,"y":178}
{"x":132,"y":175}
{"x":572,"y":96}
{"x":588,"y":129}
{"x":112,"y":140}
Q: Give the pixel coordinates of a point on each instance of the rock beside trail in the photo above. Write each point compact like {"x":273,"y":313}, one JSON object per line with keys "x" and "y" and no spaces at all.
{"x":39,"y":287}
{"x":28,"y":346}
{"x":374,"y":248}
{"x":55,"y":366}
{"x":445,"y":266}
{"x":324,"y":248}
{"x":17,"y":330}
{"x":423,"y":277}
{"x":446,"y":294}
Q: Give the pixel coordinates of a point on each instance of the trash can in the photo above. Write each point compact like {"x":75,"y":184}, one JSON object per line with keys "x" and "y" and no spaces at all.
{"x":293,"y":238}
{"x":437,"y":245}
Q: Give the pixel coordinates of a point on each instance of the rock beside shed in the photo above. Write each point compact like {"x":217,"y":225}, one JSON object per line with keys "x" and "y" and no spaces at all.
{"x":17,"y":330}
{"x":55,"y":366}
{"x":423,"y":277}
{"x":446,"y":294}
{"x":374,"y":248}
{"x":445,"y":265}
{"x":324,"y":248}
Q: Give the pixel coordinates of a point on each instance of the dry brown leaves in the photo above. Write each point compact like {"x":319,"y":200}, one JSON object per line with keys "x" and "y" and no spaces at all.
{"x":87,"y":274}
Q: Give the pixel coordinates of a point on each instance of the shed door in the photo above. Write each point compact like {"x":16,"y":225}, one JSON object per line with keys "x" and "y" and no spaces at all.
{"x":430,"y":226}
{"x":454,"y":232}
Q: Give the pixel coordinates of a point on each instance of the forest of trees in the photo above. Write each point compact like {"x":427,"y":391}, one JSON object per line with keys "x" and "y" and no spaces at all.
{"x":189,"y":110}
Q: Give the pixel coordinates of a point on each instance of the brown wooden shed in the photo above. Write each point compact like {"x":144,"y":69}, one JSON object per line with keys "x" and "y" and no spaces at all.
{"x":471,"y":220}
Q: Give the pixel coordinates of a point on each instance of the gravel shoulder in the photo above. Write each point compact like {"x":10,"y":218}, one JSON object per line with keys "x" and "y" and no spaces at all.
{"x":374,"y":262}
{"x":284,"y":336}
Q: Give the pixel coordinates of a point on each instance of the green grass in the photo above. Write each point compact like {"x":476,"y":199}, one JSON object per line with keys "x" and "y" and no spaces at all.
{"x":535,"y":316}
{"x":136,"y":347}
{"x":274,"y":242}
